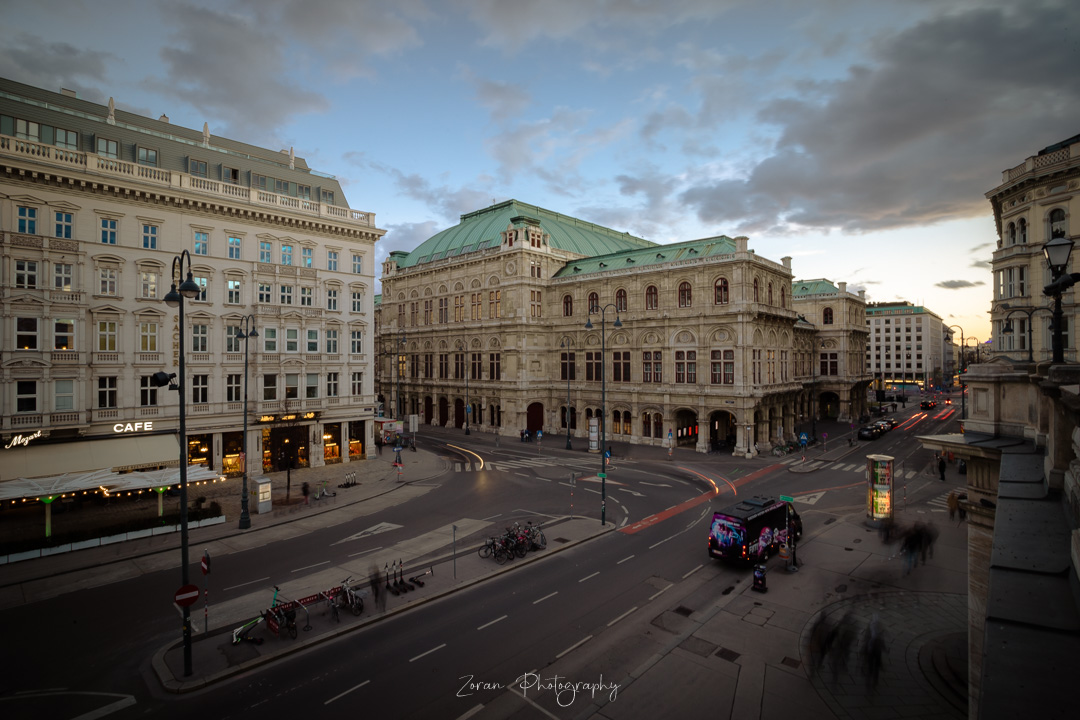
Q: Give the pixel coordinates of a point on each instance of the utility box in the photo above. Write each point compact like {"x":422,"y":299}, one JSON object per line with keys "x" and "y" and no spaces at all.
{"x":263,"y":494}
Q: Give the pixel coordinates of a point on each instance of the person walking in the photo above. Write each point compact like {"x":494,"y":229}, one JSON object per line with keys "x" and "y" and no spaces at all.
{"x":306,"y":490}
{"x":941,"y":466}
{"x":954,"y":504}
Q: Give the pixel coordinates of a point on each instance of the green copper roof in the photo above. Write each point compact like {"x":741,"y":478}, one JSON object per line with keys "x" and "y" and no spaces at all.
{"x":481,"y":229}
{"x":802,"y":288}
{"x":651,"y":255}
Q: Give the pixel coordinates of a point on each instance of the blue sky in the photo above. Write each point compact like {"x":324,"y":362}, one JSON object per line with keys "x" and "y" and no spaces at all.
{"x":857,"y":137}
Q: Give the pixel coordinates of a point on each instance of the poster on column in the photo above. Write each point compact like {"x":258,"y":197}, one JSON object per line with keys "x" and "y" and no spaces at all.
{"x":879,"y":486}
{"x":594,"y":434}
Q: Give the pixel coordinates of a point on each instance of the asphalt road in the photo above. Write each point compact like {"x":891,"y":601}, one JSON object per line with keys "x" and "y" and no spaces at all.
{"x":450,"y":657}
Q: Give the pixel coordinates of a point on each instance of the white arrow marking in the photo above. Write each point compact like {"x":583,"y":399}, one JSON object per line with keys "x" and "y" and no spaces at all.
{"x":373,"y":530}
{"x":808,"y":499}
{"x":635,"y":493}
{"x":655,"y":484}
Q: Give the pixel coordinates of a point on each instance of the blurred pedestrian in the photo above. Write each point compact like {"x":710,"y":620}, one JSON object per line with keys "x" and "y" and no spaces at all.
{"x":873,"y":651}
{"x":306,"y":490}
{"x":954,"y":504}
{"x":378,"y":596}
{"x":820,"y":637}
{"x":843,"y":637}
{"x":941,"y":466}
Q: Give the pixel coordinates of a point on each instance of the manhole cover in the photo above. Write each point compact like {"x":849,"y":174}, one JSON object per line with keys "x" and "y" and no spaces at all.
{"x":727,"y":590}
{"x":684,"y":611}
{"x":856,"y":541}
{"x":791,"y":662}
{"x":729,"y":655}
{"x":561,"y":540}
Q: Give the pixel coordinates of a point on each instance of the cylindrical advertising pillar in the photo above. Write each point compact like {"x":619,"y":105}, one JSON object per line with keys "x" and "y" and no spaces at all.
{"x":879,"y":489}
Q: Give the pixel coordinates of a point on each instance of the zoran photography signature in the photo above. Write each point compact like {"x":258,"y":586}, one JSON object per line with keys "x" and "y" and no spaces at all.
{"x":566,"y":692}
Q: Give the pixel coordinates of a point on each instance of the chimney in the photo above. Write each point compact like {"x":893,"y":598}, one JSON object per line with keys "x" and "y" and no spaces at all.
{"x":164,"y":118}
{"x":68,"y":93}
{"x":843,"y":287}
{"x":786,"y":261}
{"x":741,"y":243}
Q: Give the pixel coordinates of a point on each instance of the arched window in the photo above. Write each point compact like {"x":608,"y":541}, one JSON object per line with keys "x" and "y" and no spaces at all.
{"x":770,"y":293}
{"x":826,"y":316}
{"x":594,"y":303}
{"x":658,"y":425}
{"x":652,"y":301}
{"x":1023,"y":230}
{"x":616,"y":424}
{"x":1011,"y":234}
{"x":620,"y":300}
{"x":757,"y":291}
{"x":567,"y":305}
{"x":783,"y":298}
{"x":1057,"y":223}
{"x":721,"y":292}
{"x":685,"y":296}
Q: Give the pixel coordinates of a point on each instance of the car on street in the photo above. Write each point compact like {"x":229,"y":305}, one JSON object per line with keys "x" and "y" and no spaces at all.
{"x":869,"y":432}
{"x":887,"y":423}
{"x":928,"y":405}
{"x":948,"y":401}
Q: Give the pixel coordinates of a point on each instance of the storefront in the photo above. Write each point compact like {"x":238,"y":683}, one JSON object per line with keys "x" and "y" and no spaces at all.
{"x":285,"y":447}
{"x":200,"y":450}
{"x":232,"y":445}
{"x":331,"y":443}
{"x":357,"y":432}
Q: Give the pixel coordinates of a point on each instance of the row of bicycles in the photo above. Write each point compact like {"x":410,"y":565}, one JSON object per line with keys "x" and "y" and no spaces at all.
{"x":280,"y":617}
{"x":517,"y":541}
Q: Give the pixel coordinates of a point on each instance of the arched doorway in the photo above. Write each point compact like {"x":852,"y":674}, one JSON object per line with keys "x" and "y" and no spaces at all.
{"x":829,"y":405}
{"x":444,"y":411}
{"x":459,"y":412}
{"x":686,"y":427}
{"x":428,"y":408}
{"x":534,"y":417}
{"x":722,"y":430}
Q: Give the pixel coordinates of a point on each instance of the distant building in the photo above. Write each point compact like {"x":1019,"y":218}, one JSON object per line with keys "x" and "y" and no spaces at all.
{"x":95,"y":205}
{"x":491,"y":314}
{"x":1034,"y":203}
{"x":908,"y":344}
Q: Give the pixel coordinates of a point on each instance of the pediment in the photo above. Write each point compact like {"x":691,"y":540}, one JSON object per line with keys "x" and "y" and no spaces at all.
{"x":29,"y":199}
{"x":63,"y":205}
{"x":25,"y":298}
{"x":108,"y":310}
{"x":26,"y":362}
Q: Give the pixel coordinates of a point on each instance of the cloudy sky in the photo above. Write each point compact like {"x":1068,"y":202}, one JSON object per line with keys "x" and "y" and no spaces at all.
{"x":857,"y":136}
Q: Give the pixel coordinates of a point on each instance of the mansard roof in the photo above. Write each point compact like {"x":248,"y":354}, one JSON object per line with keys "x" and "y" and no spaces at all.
{"x":652,"y":255}
{"x":483,"y":229}
{"x":820,"y":286}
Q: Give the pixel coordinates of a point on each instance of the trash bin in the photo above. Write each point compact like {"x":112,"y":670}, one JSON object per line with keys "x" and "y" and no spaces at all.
{"x":759,"y":578}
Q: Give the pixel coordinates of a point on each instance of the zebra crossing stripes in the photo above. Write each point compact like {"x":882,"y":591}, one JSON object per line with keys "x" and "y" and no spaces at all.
{"x":940,"y":503}
{"x":505,"y":465}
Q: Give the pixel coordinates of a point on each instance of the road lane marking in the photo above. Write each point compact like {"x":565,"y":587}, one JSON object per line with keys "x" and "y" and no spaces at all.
{"x":476,"y":708}
{"x":589,"y":576}
{"x":624,"y":560}
{"x":661,"y":592}
{"x":492,"y":622}
{"x":440,"y":647}
{"x":338,"y":697}
{"x":324,"y":562}
{"x":692,"y":572}
{"x":233,"y":587}
{"x":365,"y":552}
{"x":545,"y":597}
{"x":622,"y":616}
{"x":576,"y":645}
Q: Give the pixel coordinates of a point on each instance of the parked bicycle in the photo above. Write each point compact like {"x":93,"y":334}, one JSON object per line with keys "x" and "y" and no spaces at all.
{"x":350,"y":598}
{"x":328,"y":596}
{"x":284,"y":619}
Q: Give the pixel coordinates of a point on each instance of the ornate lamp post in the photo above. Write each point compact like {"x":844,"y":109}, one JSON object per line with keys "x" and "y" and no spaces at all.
{"x":963,"y":366}
{"x":468,"y":408}
{"x":188,"y":290}
{"x":247,"y":330}
{"x":1029,"y":311}
{"x":814,"y":404}
{"x":565,"y":343}
{"x":1057,"y":253}
{"x":398,"y":360}
{"x":603,"y":399}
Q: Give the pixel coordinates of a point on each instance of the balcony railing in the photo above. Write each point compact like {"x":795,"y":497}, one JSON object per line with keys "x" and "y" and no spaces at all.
{"x":120,"y":169}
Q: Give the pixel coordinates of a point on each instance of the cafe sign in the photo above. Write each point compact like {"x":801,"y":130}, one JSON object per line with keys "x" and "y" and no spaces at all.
{"x":23,"y":440}
{"x":132,"y":427}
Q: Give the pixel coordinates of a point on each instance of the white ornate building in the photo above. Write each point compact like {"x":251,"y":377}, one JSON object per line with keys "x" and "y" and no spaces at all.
{"x":95,"y":205}
{"x":699,"y":341}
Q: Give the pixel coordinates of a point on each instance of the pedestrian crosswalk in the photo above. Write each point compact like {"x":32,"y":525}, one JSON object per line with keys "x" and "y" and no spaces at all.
{"x":525,"y":463}
{"x":842,"y":466}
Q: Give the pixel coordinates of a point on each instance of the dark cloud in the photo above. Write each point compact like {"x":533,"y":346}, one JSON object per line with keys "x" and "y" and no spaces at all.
{"x":958,"y":284}
{"x":223,"y":65}
{"x":916,"y":135}
{"x":34,"y":61}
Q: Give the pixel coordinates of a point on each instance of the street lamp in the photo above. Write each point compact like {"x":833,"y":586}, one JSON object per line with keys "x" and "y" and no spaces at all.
{"x":603,"y":398}
{"x":565,"y":343}
{"x":813,"y":397}
{"x":1029,"y":311}
{"x":398,"y":360}
{"x":963,"y":367}
{"x":1057,"y":253}
{"x":188,"y":289}
{"x":247,"y":330}
{"x":468,"y":408}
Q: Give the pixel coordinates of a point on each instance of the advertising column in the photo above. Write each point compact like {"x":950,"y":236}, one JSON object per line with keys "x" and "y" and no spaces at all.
{"x":879,"y":489}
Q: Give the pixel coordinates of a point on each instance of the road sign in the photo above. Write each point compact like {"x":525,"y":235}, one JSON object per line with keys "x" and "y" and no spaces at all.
{"x":186,"y":595}
{"x":206,"y":563}
{"x":601,"y":475}
{"x":785,"y":498}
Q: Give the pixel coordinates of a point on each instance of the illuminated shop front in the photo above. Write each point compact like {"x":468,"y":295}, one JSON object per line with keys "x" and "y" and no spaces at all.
{"x":199,"y":450}
{"x":331,"y":435}
{"x":232,"y":448}
{"x":357,"y":430}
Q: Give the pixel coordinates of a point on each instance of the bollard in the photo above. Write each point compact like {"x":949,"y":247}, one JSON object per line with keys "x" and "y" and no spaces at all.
{"x":759,"y":579}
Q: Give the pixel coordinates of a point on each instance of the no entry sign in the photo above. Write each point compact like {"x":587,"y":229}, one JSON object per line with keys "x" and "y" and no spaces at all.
{"x":187,"y":595}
